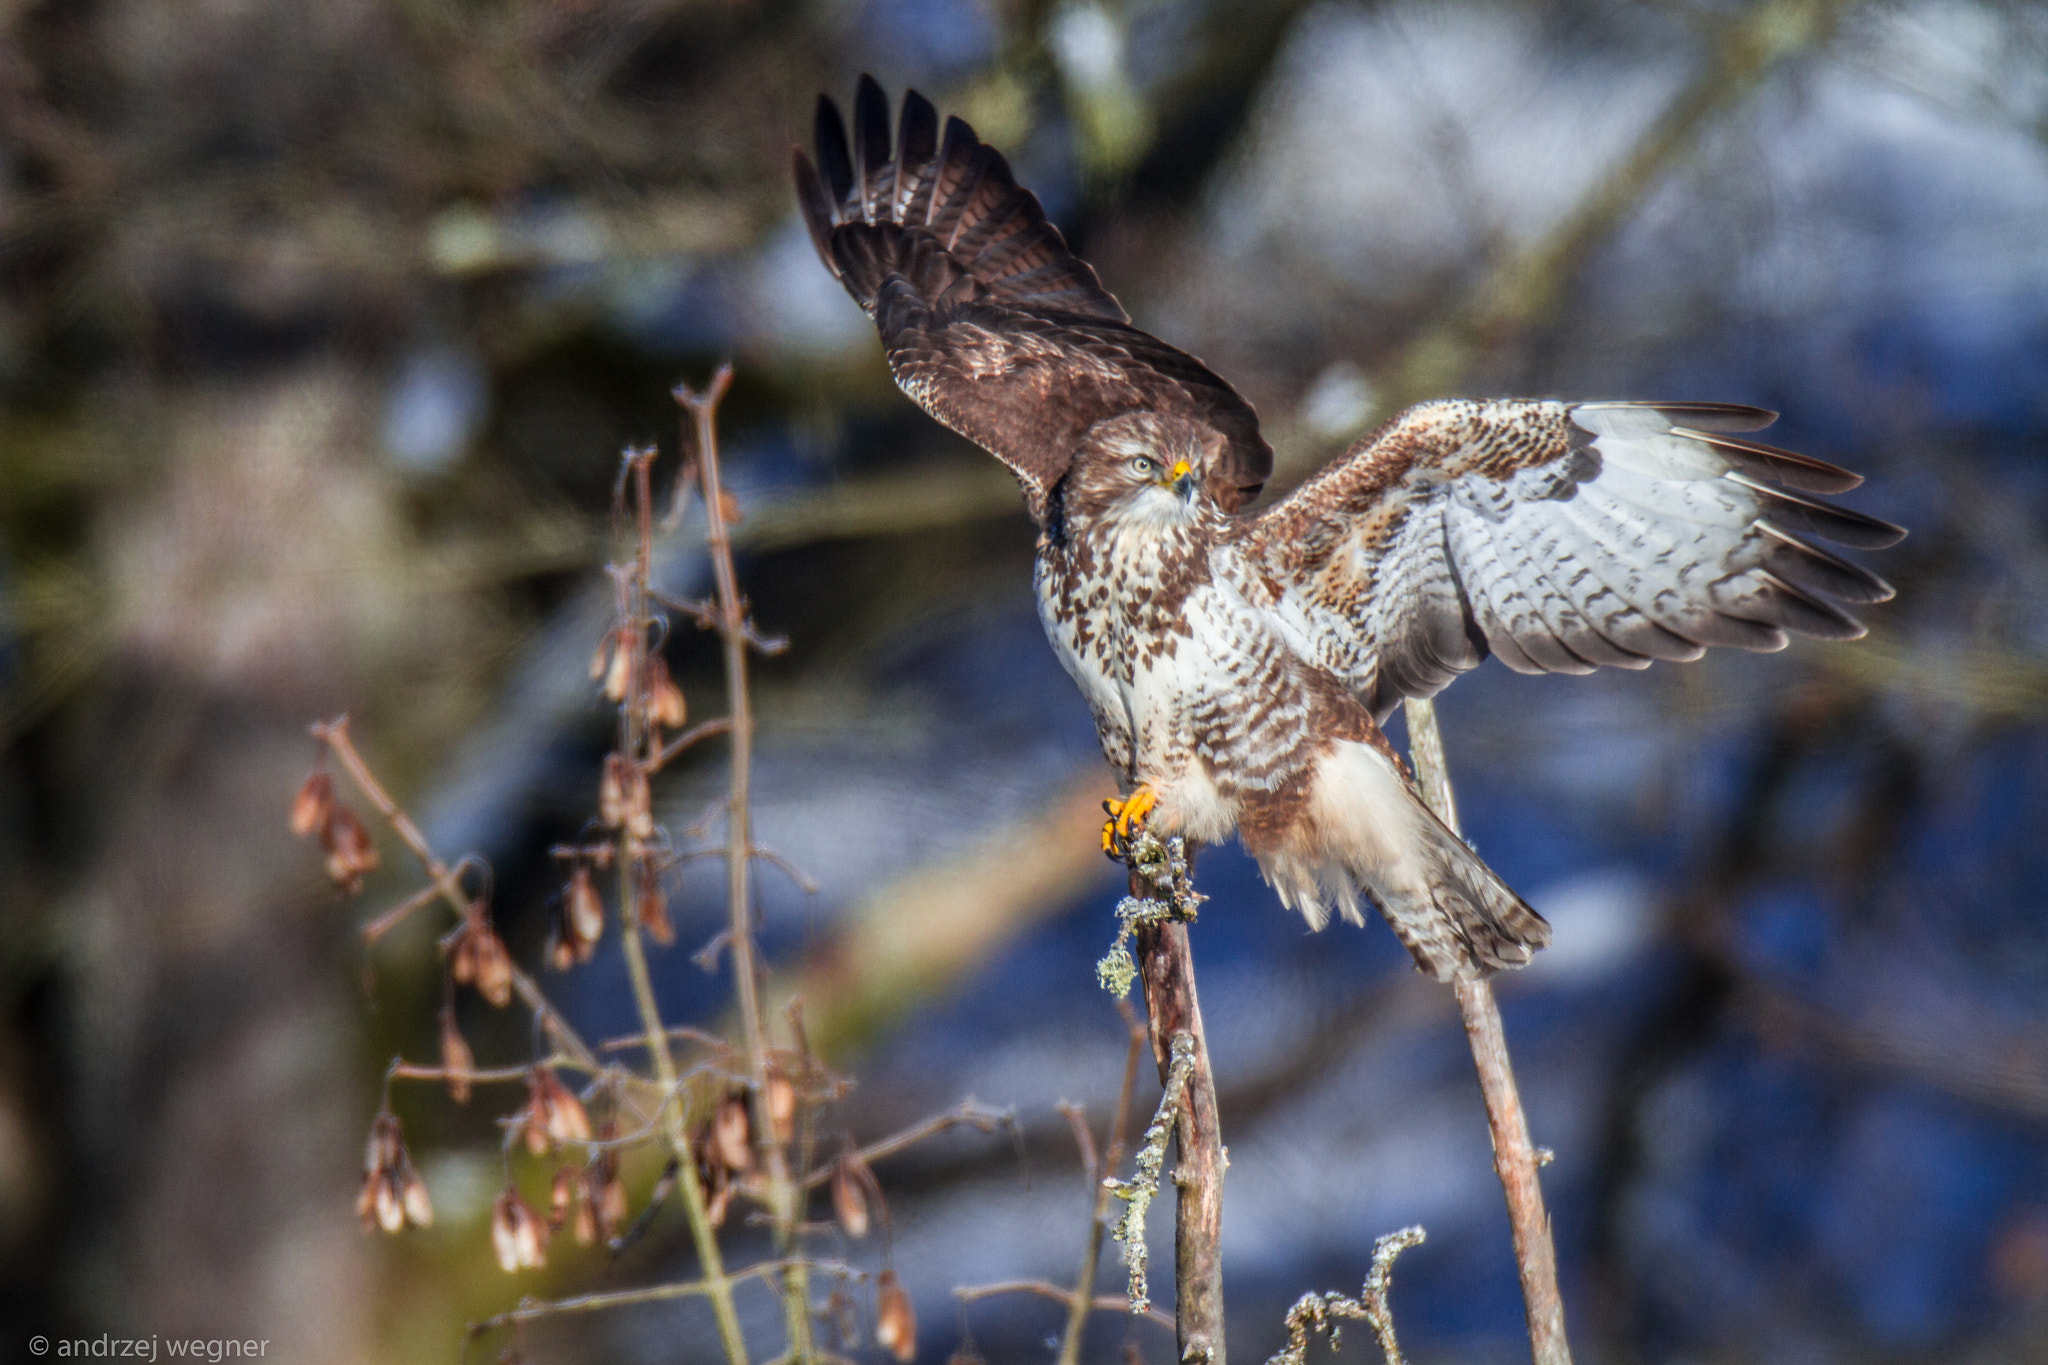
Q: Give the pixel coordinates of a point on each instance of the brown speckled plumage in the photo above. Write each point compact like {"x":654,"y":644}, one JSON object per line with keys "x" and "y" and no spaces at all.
{"x":1238,"y":665}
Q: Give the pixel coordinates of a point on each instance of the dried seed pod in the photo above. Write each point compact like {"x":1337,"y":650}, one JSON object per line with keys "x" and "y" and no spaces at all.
{"x":386,"y":1146}
{"x":850,"y":1179}
{"x":650,"y":900}
{"x":601,"y":661}
{"x":517,"y":1233}
{"x":418,"y":1208}
{"x":390,"y":1201}
{"x":781,"y":1108}
{"x":611,"y":1206}
{"x":568,"y":1120}
{"x":730,"y":1134}
{"x":666,"y":705}
{"x":477,"y":957}
{"x":311,"y":806}
{"x":562,"y":1197}
{"x":553,"y":1114}
{"x":583,"y":1223}
{"x":585,"y":911}
{"x":456,"y":1058}
{"x":350,"y":851}
{"x":392,"y":1190}
{"x":618,"y":674}
{"x":895,"y":1320}
{"x":623,"y":799}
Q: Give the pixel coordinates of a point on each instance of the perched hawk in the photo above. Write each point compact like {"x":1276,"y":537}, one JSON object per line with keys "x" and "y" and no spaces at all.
{"x":1239,"y":664}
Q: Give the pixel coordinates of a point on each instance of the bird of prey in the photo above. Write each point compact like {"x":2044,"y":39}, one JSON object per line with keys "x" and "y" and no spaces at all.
{"x":1239,"y":664}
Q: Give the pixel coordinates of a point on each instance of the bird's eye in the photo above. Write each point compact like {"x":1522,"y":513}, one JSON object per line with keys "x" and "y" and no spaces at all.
{"x":1144,"y":466}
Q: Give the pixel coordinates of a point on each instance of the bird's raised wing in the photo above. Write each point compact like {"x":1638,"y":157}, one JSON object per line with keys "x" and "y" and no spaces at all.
{"x":990,"y":323}
{"x":1560,"y":537}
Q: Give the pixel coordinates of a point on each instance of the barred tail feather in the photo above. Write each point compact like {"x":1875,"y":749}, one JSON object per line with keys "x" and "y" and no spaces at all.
{"x":1366,"y":834}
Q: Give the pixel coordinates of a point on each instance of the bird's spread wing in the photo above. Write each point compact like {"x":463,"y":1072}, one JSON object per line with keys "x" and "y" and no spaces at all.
{"x":1561,"y":537}
{"x":990,"y":323}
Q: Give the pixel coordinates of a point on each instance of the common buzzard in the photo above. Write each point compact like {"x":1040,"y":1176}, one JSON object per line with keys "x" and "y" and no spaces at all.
{"x":1239,"y":665}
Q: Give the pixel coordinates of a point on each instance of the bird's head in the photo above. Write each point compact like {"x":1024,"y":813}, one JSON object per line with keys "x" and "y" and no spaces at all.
{"x":1143,"y":468}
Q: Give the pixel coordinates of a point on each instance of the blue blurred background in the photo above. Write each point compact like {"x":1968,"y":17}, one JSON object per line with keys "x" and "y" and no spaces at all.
{"x":322,"y":325}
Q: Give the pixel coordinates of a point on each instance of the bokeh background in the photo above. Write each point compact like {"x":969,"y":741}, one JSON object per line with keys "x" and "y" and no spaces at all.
{"x":322,"y":323}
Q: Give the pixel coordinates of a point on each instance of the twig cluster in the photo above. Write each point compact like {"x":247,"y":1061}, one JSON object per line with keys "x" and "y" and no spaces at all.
{"x":736,"y":1120}
{"x":1319,"y":1312}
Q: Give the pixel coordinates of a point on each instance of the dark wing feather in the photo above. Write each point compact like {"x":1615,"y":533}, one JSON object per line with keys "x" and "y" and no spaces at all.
{"x":989,"y":322}
{"x":1562,"y":538}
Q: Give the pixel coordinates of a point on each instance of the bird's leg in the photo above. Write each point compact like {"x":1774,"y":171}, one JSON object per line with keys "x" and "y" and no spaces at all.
{"x":1126,"y":818}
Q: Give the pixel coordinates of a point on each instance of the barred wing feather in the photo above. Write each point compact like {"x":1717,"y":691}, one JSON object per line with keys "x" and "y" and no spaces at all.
{"x":1562,"y":537}
{"x":990,"y":323}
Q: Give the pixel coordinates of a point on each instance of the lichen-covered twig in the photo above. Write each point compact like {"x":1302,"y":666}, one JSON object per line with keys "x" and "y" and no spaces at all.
{"x":1318,"y":1312}
{"x":1164,"y":866}
{"x":1137,"y":1192}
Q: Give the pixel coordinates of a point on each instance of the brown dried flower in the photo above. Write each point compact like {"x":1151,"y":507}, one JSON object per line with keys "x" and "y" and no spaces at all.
{"x":456,"y":1058}
{"x":781,"y":1108}
{"x":350,"y":852}
{"x":607,"y":1193}
{"x":651,"y":901}
{"x":895,"y":1320}
{"x":579,"y":921}
{"x":517,"y":1233}
{"x":553,"y":1114}
{"x":623,"y":799}
{"x":852,"y":1185}
{"x":393,"y":1193}
{"x":477,"y":957}
{"x":666,"y":706}
{"x":729,"y":1137}
{"x":614,"y":663}
{"x":311,"y":806}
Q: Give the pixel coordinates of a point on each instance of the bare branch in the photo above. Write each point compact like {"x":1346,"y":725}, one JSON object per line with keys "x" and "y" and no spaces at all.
{"x":1109,"y":1303}
{"x":1514,"y":1156}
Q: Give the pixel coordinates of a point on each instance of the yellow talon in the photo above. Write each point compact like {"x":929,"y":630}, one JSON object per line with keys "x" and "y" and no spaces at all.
{"x":1126,"y":817}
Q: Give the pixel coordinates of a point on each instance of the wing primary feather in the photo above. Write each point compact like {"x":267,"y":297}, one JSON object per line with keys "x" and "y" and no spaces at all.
{"x":1816,"y":570}
{"x":835,"y":163}
{"x":1788,"y":467}
{"x":870,"y":142}
{"x":816,"y":203}
{"x":1712,"y":416}
{"x":917,"y":142}
{"x":1791,"y":512}
{"x":1796,"y":609}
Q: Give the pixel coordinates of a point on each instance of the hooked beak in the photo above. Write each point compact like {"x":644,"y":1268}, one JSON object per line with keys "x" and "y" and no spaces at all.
{"x":1182,"y":477}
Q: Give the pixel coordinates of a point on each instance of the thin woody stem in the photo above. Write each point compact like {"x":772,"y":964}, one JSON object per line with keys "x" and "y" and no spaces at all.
{"x":334,"y":734}
{"x":1046,"y":1289}
{"x":702,"y":409}
{"x":1083,"y":1298}
{"x":1514,"y":1156}
{"x":717,"y":1285}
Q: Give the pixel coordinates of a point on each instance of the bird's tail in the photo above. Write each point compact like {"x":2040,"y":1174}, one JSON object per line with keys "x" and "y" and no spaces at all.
{"x":1468,"y":922}
{"x":1368,"y":834}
